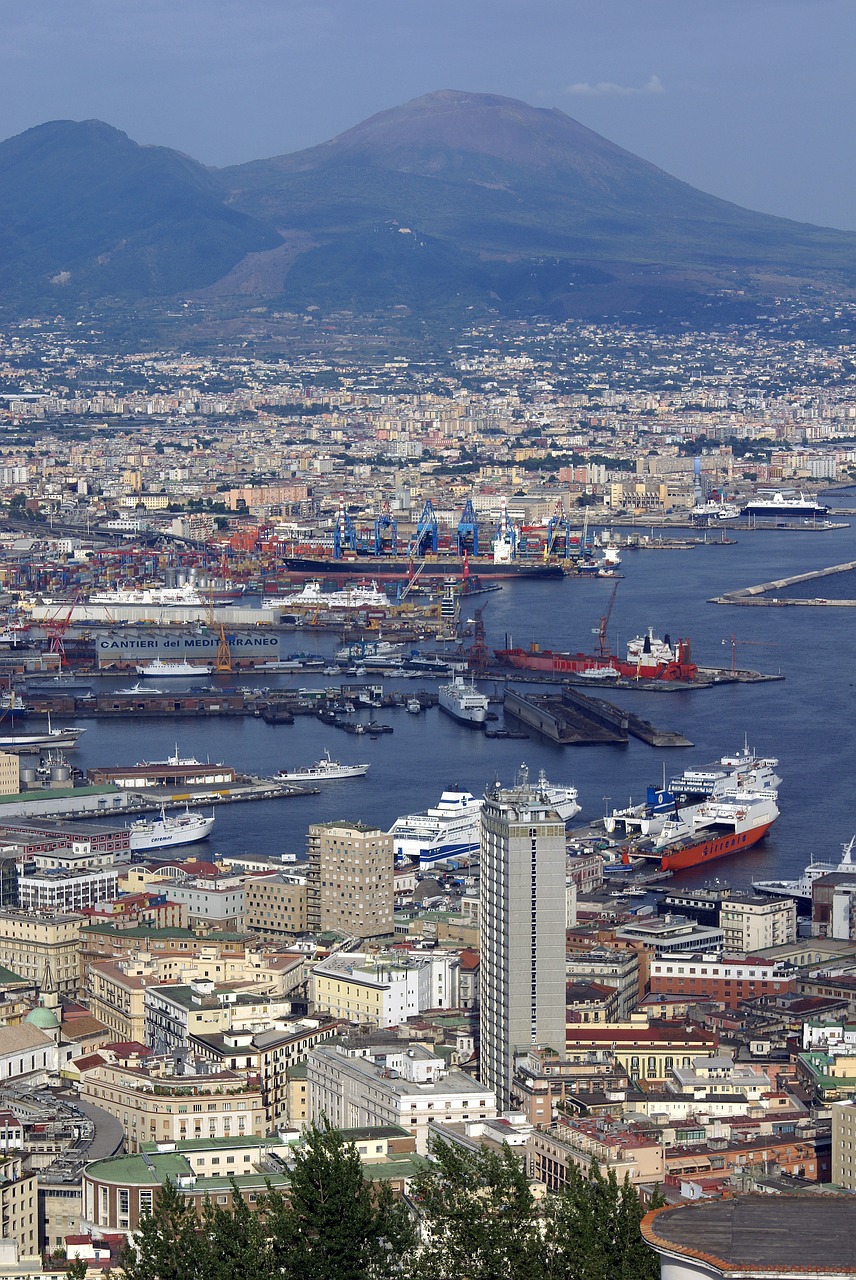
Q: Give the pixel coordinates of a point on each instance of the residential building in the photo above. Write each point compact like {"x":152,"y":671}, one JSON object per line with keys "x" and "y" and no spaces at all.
{"x":522,"y":926}
{"x":275,"y":905}
{"x":350,"y":883}
{"x":174,"y":1013}
{"x":19,"y":1208}
{"x":616,"y":967}
{"x":730,"y":980}
{"x":620,"y":1148}
{"x":833,"y":906}
{"x":844,"y":1144}
{"x":406,"y":1085}
{"x":751,"y":921}
{"x":33,"y":944}
{"x":270,"y":1054}
{"x":154,"y":1103}
{"x":386,"y":989}
{"x":58,"y":890}
{"x":215,"y":902}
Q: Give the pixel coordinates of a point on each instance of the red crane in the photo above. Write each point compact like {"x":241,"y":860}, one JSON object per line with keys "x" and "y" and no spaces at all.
{"x":56,"y":627}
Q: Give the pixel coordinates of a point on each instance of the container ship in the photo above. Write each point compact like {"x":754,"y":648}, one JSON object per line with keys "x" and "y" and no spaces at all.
{"x":647,"y":658}
{"x":382,"y":567}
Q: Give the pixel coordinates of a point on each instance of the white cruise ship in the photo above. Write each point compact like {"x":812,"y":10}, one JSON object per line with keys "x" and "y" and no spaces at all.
{"x":450,"y":829}
{"x":463,"y":701}
{"x":802,"y":888}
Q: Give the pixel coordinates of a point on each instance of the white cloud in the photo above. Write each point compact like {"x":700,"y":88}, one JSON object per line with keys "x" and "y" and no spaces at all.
{"x":604,"y":88}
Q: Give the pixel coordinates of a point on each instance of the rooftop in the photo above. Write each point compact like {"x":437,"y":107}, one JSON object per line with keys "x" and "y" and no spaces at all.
{"x":773,"y":1235}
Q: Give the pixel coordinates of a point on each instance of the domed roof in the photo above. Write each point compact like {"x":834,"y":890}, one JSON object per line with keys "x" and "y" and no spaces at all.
{"x":46,"y":1019}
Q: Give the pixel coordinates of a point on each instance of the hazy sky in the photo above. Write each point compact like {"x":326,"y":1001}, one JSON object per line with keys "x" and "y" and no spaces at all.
{"x":750,"y":99}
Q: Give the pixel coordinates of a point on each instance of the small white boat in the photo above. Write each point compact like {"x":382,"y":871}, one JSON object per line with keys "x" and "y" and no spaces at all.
{"x":147,"y":689}
{"x":414,"y":706}
{"x":324,"y":770}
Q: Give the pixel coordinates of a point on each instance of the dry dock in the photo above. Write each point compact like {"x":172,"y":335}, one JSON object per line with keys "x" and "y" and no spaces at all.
{"x":572,"y":719}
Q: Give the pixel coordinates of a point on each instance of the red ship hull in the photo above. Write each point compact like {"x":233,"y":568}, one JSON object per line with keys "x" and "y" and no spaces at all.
{"x":574,"y":663}
{"x":699,"y":852}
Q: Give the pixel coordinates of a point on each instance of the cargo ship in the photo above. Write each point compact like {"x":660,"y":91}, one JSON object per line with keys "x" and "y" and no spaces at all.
{"x":381,"y":567}
{"x":647,"y":658}
{"x":727,"y":825}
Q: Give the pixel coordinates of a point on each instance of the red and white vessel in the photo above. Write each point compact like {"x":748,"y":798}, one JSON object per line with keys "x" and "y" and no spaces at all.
{"x":647,"y":658}
{"x":720,"y":827}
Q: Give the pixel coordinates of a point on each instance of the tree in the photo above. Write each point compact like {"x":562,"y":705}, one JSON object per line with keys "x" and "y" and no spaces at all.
{"x":166,"y":1246}
{"x":479,"y":1218}
{"x":76,"y":1269}
{"x":335,"y":1225}
{"x":592,"y":1230}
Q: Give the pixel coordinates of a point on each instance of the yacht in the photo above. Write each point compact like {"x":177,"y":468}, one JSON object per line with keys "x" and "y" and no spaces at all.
{"x":324,"y":770}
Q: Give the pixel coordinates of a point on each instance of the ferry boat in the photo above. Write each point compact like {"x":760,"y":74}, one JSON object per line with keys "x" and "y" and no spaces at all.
{"x":778,"y":503}
{"x":716,"y":511}
{"x":719,"y":828}
{"x":463,"y":701}
{"x":741,"y":772}
{"x":170,"y":830}
{"x":159,"y":669}
{"x":164,"y":597}
{"x":801,"y":888}
{"x":324,"y":770}
{"x":358,"y":596}
{"x":38,"y":741}
{"x":451,"y":828}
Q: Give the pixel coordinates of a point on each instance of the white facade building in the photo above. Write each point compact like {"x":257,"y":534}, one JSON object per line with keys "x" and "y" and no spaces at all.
{"x":407,"y":1085}
{"x":522,"y":914}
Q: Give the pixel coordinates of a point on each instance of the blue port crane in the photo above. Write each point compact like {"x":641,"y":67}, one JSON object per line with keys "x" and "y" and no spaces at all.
{"x":467,"y":537}
{"x":559,"y":533}
{"x":385,"y":522}
{"x":426,"y":537}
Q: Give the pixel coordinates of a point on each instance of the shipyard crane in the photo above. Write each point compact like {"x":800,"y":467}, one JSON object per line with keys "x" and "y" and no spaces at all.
{"x":56,"y":627}
{"x":734,"y":642}
{"x":427,"y":532}
{"x":467,"y":536}
{"x":601,"y":646}
{"x":479,"y":657}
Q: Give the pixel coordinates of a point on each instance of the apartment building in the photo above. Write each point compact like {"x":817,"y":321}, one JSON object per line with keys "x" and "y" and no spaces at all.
{"x":275,"y":905}
{"x":406,"y":1085}
{"x":33,"y":944}
{"x":729,"y":980}
{"x":153,"y":1104}
{"x":751,"y":921}
{"x":386,"y":989}
{"x":350,"y":883}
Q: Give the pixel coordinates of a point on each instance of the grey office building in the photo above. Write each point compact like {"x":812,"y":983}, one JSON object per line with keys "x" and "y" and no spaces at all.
{"x":522,"y":930}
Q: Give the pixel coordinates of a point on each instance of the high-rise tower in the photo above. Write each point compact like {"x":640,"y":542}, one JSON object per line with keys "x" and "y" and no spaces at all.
{"x":522,"y":929}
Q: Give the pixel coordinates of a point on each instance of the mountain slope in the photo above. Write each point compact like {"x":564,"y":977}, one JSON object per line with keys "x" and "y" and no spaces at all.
{"x":86,"y":211}
{"x":498,"y":177}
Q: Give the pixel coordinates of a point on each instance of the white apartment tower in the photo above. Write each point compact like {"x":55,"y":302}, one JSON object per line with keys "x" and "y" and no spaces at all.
{"x":522,"y":930}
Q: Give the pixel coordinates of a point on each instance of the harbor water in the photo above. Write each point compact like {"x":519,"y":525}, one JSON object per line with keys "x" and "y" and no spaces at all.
{"x":806,"y":720}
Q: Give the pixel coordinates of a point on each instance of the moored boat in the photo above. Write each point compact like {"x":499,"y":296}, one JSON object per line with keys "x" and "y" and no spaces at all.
{"x":463,"y":701}
{"x":324,"y":770}
{"x":170,"y":830}
{"x":160,"y":668}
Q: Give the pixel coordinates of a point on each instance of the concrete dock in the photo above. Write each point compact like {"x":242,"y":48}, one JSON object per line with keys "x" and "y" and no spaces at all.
{"x":760,"y":593}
